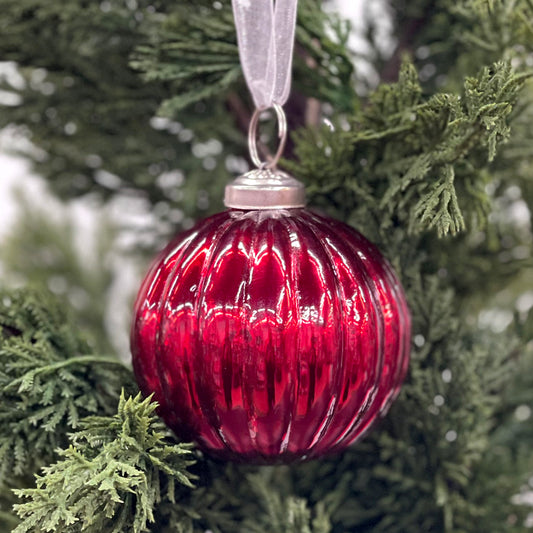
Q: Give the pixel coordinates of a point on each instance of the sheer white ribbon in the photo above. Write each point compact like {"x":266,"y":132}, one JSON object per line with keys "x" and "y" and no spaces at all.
{"x":265,"y":34}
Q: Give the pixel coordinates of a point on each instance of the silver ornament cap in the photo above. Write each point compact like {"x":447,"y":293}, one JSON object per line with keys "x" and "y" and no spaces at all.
{"x":267,"y":188}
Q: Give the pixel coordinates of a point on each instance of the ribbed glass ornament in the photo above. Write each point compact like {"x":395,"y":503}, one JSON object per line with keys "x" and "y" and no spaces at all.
{"x":271,"y":335}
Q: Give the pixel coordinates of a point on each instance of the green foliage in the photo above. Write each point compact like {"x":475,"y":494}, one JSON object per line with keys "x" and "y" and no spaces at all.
{"x":261,"y":500}
{"x":425,"y":160}
{"x":75,"y":105}
{"x":283,"y":514}
{"x":444,"y":149}
{"x":504,"y":27}
{"x":199,"y":67}
{"x":194,"y":49}
{"x":116,"y":470}
{"x":49,"y":380}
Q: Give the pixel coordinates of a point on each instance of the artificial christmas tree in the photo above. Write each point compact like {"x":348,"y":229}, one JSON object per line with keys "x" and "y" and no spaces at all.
{"x":432,"y":163}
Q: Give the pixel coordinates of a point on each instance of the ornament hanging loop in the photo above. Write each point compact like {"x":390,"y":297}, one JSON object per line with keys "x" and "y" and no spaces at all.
{"x":282,"y":136}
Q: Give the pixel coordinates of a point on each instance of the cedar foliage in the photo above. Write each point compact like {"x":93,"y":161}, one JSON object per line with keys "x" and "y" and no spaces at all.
{"x":49,"y":381}
{"x":146,"y":98}
{"x":124,"y":459}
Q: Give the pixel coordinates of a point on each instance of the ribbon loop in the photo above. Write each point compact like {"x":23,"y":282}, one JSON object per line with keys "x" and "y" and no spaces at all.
{"x":265,"y":34}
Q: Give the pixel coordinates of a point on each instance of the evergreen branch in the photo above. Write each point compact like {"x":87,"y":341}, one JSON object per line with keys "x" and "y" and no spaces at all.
{"x":194,"y":48}
{"x":500,"y":28}
{"x":95,"y":98}
{"x":260,"y":500}
{"x":423,"y":161}
{"x":283,"y":515}
{"x":47,"y":380}
{"x":117,"y":470}
{"x":440,"y":207}
{"x":26,"y":382}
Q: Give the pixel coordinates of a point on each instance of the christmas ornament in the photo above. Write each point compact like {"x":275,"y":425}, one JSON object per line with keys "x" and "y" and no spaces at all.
{"x":270,"y":333}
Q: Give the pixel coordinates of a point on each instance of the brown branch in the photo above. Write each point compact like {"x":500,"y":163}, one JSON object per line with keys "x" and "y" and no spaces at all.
{"x":239,"y":110}
{"x":406,"y":44}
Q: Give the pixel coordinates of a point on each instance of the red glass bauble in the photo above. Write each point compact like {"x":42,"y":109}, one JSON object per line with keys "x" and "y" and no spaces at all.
{"x":270,"y":336}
